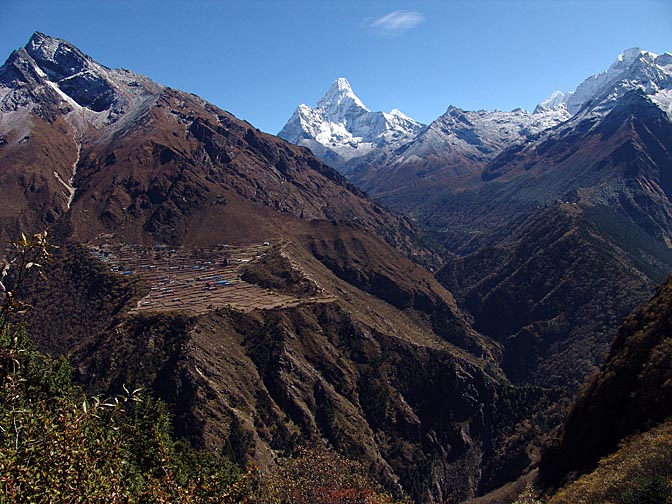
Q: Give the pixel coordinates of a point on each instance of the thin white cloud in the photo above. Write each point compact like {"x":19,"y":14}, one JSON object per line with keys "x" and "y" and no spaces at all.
{"x":395,"y":23}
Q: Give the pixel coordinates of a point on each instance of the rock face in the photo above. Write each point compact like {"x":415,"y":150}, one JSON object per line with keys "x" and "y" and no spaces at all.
{"x":372,"y":356}
{"x":49,"y":69}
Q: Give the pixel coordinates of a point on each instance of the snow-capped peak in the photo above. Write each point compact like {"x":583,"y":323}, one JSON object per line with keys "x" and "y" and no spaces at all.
{"x":60,"y":60}
{"x":50,"y":69}
{"x":555,"y":99}
{"x":339,"y":99}
{"x":634,"y":68}
{"x":341,"y":127}
{"x":398,"y":113}
{"x":339,"y":89}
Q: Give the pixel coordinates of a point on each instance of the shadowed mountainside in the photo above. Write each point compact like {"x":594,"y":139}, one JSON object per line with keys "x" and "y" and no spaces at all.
{"x":571,"y":235}
{"x":630,"y":394}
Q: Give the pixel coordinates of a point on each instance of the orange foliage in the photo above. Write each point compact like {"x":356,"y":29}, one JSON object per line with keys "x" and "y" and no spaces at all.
{"x":320,"y":476}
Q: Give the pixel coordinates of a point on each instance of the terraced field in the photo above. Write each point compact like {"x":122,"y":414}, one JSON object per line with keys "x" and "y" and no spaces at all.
{"x":196,"y":281}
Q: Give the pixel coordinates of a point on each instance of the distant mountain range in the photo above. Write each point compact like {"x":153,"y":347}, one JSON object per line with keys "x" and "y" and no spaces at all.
{"x":459,"y":142}
{"x":529,"y":201}
{"x":348,"y":136}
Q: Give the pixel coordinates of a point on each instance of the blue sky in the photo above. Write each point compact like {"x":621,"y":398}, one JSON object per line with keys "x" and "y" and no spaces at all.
{"x":260,"y":59}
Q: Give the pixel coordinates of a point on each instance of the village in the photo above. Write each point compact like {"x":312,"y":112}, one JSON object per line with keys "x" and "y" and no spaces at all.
{"x":194,"y":280}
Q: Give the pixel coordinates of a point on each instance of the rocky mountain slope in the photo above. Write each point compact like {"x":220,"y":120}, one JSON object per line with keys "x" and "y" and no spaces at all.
{"x":616,"y":442}
{"x":606,"y":170}
{"x":149,"y":160}
{"x":553,"y":292}
{"x":629,"y":396}
{"x":175,"y":220}
{"x":51,"y":97}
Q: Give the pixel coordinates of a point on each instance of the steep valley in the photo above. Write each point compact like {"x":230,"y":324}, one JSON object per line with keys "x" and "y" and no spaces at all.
{"x":555,"y":231}
{"x":615,"y":442}
{"x":556,"y":223}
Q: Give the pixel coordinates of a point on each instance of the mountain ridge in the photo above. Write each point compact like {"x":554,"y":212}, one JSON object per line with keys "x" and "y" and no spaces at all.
{"x":634,"y":67}
{"x":459,"y":143}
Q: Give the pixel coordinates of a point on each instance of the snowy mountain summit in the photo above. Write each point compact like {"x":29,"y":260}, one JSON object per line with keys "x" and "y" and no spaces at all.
{"x":340,"y":101}
{"x":341,"y":128}
{"x":634,"y":69}
{"x":51,"y":70}
{"x":53,"y":100}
